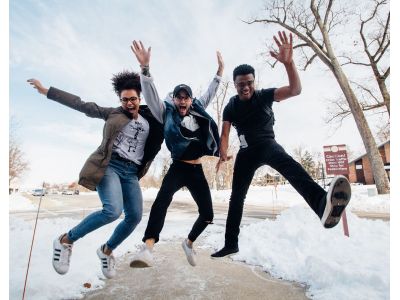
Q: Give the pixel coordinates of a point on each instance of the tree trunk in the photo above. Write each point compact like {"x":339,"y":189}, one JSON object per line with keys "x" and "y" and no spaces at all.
{"x":378,"y":169}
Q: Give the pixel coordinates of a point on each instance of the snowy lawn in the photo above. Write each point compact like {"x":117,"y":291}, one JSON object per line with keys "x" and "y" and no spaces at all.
{"x":19,"y":203}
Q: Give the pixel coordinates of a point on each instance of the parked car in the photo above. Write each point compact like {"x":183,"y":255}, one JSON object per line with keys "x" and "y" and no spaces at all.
{"x":67,"y":192}
{"x":38,"y":192}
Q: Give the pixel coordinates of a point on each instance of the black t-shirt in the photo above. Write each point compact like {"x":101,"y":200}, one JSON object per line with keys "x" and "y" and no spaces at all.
{"x":253,"y":118}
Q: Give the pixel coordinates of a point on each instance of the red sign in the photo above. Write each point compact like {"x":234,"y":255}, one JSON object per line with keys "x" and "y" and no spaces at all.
{"x":336,"y":160}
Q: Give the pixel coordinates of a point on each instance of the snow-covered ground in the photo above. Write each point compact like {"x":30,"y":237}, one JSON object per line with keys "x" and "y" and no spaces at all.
{"x":17,"y":202}
{"x":294,"y":247}
{"x":287,"y":196}
{"x":43,"y":281}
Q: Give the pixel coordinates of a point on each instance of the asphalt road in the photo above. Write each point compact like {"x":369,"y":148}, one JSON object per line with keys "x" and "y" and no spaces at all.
{"x":77,"y":206}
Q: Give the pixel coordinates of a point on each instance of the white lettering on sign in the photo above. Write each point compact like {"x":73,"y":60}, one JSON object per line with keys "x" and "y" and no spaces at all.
{"x":336,"y":159}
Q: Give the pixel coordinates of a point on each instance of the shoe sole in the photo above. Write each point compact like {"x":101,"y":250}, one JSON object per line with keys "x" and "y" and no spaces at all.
{"x":139,"y":264}
{"x":339,"y":196}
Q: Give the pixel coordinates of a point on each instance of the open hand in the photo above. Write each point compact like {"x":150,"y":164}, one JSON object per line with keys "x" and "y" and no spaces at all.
{"x":222,"y":160}
{"x":37,"y":85}
{"x":285,"y":54}
{"x":142,"y":55}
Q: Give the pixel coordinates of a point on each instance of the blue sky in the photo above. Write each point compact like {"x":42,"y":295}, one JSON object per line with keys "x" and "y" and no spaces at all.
{"x":77,"y":46}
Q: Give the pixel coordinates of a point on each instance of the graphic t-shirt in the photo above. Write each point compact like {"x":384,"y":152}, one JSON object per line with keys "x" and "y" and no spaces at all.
{"x":253,"y":118}
{"x":131,"y":140}
{"x":190,"y":129}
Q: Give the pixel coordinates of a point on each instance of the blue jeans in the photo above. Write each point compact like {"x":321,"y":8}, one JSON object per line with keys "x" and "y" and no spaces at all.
{"x":119,"y":189}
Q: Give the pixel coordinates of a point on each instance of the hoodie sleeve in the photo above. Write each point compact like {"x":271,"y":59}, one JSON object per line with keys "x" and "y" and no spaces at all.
{"x":206,"y":98}
{"x":153,"y":101}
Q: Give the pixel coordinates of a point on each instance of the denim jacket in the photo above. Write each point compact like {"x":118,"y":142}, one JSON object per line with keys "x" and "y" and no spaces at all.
{"x":177,"y":143}
{"x":166,"y":112}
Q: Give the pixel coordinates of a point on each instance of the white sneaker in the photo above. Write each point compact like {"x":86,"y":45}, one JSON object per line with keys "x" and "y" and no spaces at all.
{"x":143,"y":259}
{"x":61,"y":256}
{"x":107,"y":263}
{"x":190,"y":253}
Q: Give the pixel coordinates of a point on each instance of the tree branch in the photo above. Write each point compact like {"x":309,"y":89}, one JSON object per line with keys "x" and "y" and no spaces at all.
{"x":309,"y":61}
{"x":386,"y":74}
{"x":366,"y":90}
{"x":315,"y":48}
{"x":381,"y":49}
{"x":328,"y":10}
{"x":351,"y":62}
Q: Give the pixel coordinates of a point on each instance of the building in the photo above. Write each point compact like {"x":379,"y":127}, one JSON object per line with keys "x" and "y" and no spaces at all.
{"x":14,"y":186}
{"x":360,"y":168}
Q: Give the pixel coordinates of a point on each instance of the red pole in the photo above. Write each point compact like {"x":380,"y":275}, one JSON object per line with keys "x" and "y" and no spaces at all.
{"x":345,"y":225}
{"x":33,"y":239}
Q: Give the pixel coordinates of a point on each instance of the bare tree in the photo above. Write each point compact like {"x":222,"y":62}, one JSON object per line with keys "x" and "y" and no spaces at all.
{"x":372,"y":92}
{"x":383,"y":133}
{"x":315,"y":25}
{"x":223,"y":180}
{"x":166,"y":162}
{"x":17,"y":162}
{"x":375,"y":36}
{"x":220,"y":100}
{"x":305,"y":158}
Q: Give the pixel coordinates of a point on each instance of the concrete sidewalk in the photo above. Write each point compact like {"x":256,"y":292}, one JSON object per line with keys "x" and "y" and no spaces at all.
{"x":173,"y":278}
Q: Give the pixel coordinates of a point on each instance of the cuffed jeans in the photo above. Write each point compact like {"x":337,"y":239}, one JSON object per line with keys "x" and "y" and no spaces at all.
{"x":118,"y":190}
{"x":270,"y":153}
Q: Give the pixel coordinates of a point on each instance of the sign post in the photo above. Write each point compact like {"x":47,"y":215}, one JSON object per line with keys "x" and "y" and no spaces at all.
{"x":337,"y":164}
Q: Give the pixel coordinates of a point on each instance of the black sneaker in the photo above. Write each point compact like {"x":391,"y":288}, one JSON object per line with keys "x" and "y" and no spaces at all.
{"x":225,"y":251}
{"x":338,"y":197}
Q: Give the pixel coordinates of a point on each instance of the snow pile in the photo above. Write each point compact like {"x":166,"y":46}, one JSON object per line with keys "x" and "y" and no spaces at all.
{"x":19,"y":202}
{"x":44,"y":282}
{"x":360,"y":200}
{"x":296,"y":247}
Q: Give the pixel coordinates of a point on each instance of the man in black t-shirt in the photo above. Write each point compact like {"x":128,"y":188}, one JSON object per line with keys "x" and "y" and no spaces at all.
{"x":250,"y":112}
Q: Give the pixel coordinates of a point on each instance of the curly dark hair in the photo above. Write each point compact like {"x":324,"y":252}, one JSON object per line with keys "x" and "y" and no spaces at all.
{"x":243,"y":70}
{"x":126,"y":80}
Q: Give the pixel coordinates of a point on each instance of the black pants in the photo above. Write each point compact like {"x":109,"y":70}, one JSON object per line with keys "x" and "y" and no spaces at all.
{"x":247,"y":162}
{"x":181,"y":174}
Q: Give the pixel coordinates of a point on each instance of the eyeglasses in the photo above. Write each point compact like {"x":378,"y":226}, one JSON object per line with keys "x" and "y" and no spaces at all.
{"x":179,"y":98}
{"x":131,"y":99}
{"x":243,"y":84}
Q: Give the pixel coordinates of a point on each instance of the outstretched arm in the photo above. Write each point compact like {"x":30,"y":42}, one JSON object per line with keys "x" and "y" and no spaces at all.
{"x":91,"y":109}
{"x":156,"y":105}
{"x":285,"y":56}
{"x":226,"y":128}
{"x":213,"y":87}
